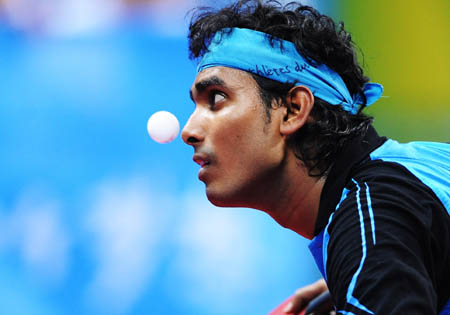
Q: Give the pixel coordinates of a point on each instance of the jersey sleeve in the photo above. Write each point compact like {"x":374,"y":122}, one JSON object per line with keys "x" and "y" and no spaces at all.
{"x":377,"y":252}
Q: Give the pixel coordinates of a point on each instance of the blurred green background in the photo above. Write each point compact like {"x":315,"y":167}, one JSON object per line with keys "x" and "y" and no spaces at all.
{"x":406,"y":48}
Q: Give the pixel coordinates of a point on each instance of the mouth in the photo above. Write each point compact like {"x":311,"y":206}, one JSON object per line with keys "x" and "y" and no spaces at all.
{"x":204,"y":161}
{"x":201,"y":160}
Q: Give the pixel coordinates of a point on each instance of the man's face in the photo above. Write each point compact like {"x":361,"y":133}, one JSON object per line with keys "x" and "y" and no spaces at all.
{"x":239,"y":150}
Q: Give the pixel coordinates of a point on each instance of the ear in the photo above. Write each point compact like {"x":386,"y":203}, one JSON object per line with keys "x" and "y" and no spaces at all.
{"x":300,"y":102}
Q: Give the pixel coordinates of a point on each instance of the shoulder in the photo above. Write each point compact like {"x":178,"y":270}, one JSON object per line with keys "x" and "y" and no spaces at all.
{"x":389,"y":225}
{"x":390,"y":232}
{"x":414,"y":177}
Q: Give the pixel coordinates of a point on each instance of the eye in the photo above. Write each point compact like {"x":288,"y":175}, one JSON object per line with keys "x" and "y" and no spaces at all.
{"x":215,"y":97}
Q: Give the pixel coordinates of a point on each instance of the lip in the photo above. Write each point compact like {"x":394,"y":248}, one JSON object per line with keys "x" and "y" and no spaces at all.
{"x":204,"y":162}
{"x":202,"y":174}
{"x":201,"y":159}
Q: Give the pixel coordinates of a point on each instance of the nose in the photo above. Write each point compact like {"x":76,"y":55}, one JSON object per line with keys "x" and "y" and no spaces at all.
{"x":193,"y":131}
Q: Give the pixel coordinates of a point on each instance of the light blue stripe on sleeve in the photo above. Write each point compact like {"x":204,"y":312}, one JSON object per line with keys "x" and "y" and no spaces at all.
{"x":372,"y":220}
{"x":326,"y":235}
{"x":350,"y":298}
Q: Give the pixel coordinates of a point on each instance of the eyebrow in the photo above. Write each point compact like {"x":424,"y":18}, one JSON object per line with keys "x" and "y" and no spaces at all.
{"x":206,"y":83}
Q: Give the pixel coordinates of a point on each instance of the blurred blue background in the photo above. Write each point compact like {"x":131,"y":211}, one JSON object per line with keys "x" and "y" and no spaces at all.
{"x":95,"y":217}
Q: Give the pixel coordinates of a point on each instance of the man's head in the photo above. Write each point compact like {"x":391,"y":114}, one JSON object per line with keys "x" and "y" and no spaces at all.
{"x":317,"y":130}
{"x":238,"y":150}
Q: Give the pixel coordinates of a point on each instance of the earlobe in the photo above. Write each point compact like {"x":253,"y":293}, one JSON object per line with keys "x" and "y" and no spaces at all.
{"x":300,"y":102}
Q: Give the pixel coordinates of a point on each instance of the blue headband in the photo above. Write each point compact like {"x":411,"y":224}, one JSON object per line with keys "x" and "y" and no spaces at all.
{"x":251,"y":51}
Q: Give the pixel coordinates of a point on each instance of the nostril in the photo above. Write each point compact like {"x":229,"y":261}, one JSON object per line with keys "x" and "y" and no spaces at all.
{"x":192,"y":140}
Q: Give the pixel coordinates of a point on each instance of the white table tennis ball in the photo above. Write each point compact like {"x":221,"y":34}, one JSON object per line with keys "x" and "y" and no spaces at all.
{"x":163,"y":127}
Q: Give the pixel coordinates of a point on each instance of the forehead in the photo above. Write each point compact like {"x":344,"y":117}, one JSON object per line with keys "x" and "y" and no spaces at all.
{"x":228,"y":77}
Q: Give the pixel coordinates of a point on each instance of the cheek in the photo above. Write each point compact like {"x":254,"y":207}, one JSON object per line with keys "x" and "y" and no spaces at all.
{"x":243,"y":146}
{"x":239,"y":134}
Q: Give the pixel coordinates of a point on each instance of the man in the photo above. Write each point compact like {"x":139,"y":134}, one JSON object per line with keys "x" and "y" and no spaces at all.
{"x":278,"y":126}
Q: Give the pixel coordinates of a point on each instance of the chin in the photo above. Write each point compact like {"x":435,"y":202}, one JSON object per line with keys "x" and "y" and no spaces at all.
{"x":217,"y":200}
{"x":223,"y":199}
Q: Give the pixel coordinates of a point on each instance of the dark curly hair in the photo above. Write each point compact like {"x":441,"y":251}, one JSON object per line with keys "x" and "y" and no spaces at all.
{"x":321,"y":41}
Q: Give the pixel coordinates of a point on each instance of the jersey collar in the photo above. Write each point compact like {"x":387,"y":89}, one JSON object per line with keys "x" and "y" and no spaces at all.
{"x":356,"y":151}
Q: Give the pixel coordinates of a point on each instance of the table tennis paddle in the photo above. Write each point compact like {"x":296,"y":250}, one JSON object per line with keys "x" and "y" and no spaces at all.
{"x":319,"y":304}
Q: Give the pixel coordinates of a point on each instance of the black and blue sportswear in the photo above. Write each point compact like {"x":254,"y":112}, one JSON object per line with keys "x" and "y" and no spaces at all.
{"x":382,"y":236}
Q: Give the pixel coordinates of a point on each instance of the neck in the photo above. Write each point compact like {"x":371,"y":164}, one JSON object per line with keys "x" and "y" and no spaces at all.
{"x":295,"y":199}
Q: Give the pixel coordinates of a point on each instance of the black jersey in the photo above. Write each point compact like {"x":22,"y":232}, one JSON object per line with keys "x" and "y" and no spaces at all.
{"x":383,"y":230}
